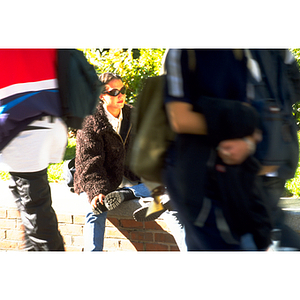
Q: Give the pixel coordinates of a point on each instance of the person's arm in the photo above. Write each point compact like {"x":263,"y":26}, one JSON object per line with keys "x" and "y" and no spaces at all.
{"x":225,"y":122}
{"x":89,"y":162}
{"x":183,"y":119}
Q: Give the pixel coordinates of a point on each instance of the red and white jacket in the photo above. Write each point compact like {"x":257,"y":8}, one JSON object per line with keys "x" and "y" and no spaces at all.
{"x":28,"y":89}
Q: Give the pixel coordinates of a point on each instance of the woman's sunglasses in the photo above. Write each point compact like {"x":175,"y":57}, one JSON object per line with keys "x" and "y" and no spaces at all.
{"x":115,"y":92}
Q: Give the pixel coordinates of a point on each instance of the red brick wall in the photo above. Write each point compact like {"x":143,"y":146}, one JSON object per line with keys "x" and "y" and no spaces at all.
{"x":120,"y":235}
{"x":11,"y":232}
{"x":129,"y":235}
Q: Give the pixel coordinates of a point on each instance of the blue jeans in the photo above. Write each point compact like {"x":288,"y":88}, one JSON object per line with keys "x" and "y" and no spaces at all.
{"x":207,"y":237}
{"x":274,"y":188}
{"x":215,"y":235}
{"x":95,"y":224}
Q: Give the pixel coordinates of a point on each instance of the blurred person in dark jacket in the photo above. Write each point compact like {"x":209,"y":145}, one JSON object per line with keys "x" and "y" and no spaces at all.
{"x":211,"y":172}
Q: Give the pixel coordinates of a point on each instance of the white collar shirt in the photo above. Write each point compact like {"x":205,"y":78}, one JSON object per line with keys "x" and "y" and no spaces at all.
{"x":115,"y":122}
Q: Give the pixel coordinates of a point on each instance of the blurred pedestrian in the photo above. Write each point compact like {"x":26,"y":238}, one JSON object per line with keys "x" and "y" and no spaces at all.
{"x":279,"y":69}
{"x":210,"y":172}
{"x":32,"y":135}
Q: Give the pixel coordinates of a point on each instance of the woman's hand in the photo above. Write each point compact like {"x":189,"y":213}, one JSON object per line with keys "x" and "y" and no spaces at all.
{"x":97,"y":198}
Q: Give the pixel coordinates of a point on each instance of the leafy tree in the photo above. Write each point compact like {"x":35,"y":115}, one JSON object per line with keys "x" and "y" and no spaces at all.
{"x":133,"y":65}
{"x":296,"y":53}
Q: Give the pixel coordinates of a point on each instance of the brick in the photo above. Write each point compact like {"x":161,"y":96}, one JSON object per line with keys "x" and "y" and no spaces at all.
{"x":68,"y":240}
{"x":9,"y":224}
{"x":79,"y":219}
{"x":130,"y":223}
{"x":10,"y":245}
{"x":13,"y":214}
{"x":162,"y":224}
{"x":116,"y":232}
{"x":156,"y":247}
{"x":112,"y":245}
{"x":19,"y":225}
{"x":153,"y":225}
{"x":164,"y":238}
{"x":138,"y":246}
{"x":2,"y":234}
{"x":2,"y":213}
{"x":70,"y":229}
{"x":141,"y":236}
{"x":78,"y":241}
{"x":73,"y":248}
{"x":110,"y":222}
{"x":64,"y":218}
{"x":14,"y":235}
{"x":174,"y":248}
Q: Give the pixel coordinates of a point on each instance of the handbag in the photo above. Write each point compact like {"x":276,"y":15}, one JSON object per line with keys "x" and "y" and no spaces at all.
{"x":153,"y":132}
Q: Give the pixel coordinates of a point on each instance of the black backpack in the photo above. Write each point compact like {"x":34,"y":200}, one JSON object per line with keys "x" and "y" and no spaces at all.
{"x":79,"y":86}
{"x":273,"y":88}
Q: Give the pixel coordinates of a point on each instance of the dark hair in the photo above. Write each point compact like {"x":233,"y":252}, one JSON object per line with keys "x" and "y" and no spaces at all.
{"x":107,"y":77}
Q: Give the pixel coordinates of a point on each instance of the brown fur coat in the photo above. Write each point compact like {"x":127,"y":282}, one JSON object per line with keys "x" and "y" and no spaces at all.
{"x":101,"y":154}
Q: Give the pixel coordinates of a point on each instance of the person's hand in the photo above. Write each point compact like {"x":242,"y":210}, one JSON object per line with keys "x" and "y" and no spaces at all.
{"x":236,"y":151}
{"x":96,"y":199}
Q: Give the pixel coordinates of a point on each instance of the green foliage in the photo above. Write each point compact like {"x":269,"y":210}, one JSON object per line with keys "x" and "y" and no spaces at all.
{"x":133,"y":65}
{"x":293,"y":185}
{"x":55,"y":171}
{"x":71,"y":148}
{"x":296,"y":53}
{"x":4,"y":175}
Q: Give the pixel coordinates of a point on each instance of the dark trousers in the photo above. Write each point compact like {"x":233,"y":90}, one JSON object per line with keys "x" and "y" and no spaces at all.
{"x":33,"y":199}
{"x":274,"y":188}
{"x":207,"y":238}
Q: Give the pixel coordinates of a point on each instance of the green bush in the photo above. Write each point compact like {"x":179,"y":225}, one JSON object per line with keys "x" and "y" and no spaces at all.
{"x":55,"y":171}
{"x":293,"y":185}
{"x":4,"y":175}
{"x":133,"y":65}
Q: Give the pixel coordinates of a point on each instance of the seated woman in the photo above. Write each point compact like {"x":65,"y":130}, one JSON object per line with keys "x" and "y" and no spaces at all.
{"x":101,"y":167}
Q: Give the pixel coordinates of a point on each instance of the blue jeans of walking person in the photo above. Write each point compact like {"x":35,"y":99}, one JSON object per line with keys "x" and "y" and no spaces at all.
{"x":274,"y":187}
{"x":95,"y":224}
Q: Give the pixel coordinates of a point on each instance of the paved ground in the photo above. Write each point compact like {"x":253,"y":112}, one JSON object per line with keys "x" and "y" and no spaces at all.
{"x":66,"y":202}
{"x":63,"y":200}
